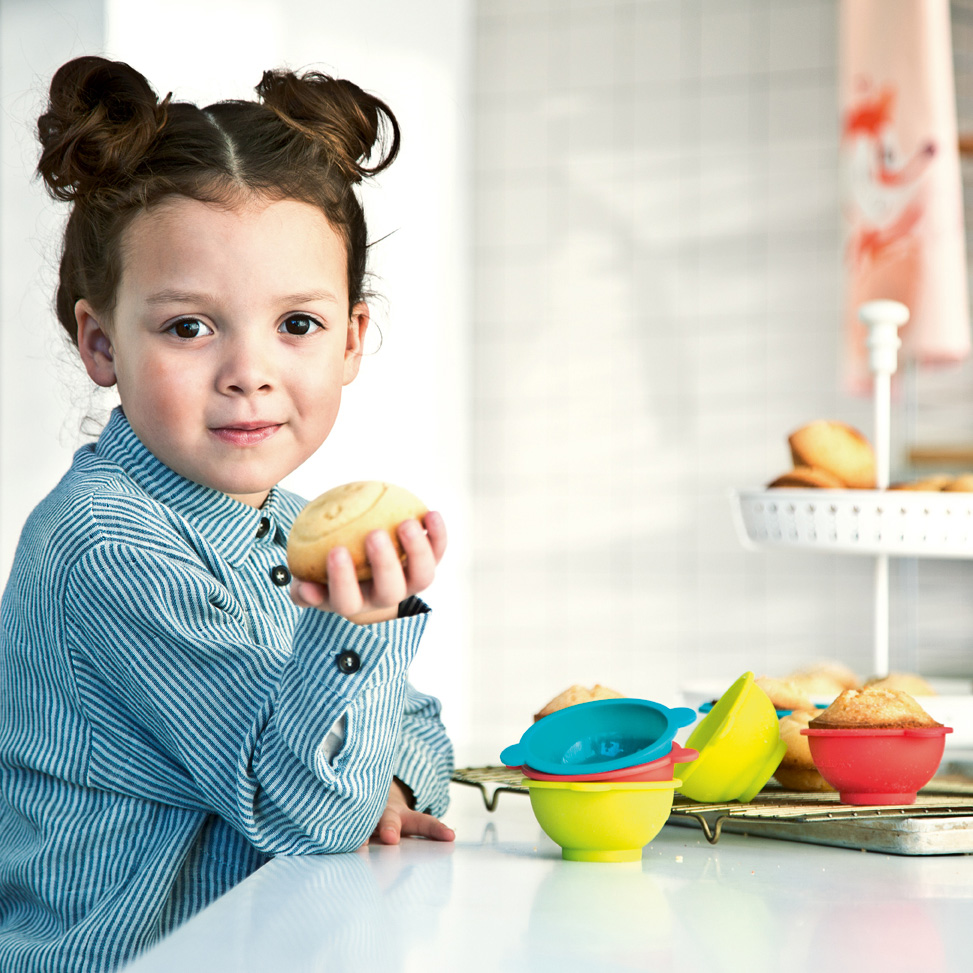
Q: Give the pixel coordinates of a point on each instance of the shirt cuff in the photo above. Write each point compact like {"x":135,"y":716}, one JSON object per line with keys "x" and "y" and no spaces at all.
{"x":412,"y":606}
{"x":333,"y":662}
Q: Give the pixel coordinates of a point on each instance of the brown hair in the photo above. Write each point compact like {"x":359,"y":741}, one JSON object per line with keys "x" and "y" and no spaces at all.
{"x":113,"y":149}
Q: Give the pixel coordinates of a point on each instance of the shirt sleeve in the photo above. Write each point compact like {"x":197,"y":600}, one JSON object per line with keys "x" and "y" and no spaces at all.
{"x":424,"y":759}
{"x":187,"y":707}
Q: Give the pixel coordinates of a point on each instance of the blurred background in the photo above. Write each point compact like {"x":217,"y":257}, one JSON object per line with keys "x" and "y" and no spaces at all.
{"x":611,"y":268}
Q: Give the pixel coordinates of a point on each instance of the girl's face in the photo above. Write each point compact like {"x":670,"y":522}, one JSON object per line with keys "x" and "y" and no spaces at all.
{"x":230,"y":340}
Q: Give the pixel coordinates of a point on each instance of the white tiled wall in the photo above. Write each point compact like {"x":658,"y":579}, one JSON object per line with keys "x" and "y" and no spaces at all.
{"x":657,"y":296}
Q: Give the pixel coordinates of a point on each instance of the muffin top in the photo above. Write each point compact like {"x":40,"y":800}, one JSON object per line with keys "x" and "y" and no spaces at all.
{"x":825,"y":679}
{"x":785,"y":693}
{"x":576,"y":694}
{"x":873,"y":708}
{"x":908,"y":682}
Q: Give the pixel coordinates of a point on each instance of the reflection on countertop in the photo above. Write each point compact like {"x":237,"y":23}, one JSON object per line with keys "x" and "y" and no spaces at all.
{"x":501,"y":898}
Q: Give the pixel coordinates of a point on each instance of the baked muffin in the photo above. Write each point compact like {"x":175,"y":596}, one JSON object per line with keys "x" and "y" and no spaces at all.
{"x":872,"y":708}
{"x":825,"y":679}
{"x":838,"y":449}
{"x":576,"y":694}
{"x":807,"y":477}
{"x":909,"y":682}
{"x":784,"y":693}
{"x":928,"y":484}
{"x":796,"y":770}
{"x":960,"y":484}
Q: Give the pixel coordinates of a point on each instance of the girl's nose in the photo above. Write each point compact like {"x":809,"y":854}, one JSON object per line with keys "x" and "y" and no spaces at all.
{"x":246,"y":368}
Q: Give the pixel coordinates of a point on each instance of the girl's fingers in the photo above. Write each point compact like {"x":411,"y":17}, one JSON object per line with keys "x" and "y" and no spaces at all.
{"x":344,"y":593}
{"x":389,"y":827}
{"x":391,"y":583}
{"x":420,"y":560}
{"x":417,"y":824}
{"x":436,"y":532}
{"x":397,"y":824}
{"x":308,"y":594}
{"x":388,"y":579}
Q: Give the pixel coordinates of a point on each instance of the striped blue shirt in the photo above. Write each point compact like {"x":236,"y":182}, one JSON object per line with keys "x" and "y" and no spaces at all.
{"x":165,"y":711}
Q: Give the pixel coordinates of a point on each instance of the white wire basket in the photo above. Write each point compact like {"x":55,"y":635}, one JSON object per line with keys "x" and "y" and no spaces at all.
{"x":901,"y":523}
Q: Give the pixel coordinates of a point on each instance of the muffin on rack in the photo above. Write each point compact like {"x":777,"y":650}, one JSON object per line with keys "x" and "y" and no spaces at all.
{"x":796,"y":771}
{"x":909,"y":682}
{"x":785,"y":693}
{"x":873,"y":708}
{"x":576,"y":694}
{"x":826,"y":679}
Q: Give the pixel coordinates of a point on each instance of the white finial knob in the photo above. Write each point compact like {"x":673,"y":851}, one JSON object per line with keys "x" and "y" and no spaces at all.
{"x":883,"y":320}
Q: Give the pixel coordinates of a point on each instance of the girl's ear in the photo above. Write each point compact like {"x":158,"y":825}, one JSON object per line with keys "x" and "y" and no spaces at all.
{"x":94,"y":346}
{"x":357,"y":326}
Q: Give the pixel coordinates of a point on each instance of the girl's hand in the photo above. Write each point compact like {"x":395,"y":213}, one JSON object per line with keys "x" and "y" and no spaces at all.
{"x":378,"y":599}
{"x":399,"y":820}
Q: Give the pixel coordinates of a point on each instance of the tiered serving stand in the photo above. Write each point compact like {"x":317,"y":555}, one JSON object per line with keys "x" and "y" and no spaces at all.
{"x":877,"y":523}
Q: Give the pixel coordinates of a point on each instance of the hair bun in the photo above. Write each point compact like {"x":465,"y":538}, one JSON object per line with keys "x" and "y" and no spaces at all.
{"x":101,"y":118}
{"x":348,"y":122}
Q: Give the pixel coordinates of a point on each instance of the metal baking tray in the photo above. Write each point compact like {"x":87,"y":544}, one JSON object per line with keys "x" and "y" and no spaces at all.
{"x":939,"y":823}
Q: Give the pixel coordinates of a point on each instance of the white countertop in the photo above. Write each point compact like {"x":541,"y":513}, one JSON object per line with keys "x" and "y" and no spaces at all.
{"x":502,"y":899}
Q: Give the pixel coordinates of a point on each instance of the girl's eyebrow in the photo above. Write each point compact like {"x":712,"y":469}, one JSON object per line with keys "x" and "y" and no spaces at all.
{"x":199,"y":298}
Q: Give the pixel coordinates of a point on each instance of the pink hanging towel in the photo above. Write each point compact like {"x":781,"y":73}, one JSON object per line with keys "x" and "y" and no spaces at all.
{"x":902,"y":187}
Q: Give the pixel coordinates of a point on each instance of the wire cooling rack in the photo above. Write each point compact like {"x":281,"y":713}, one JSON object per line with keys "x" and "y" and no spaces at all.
{"x":491,"y":782}
{"x":940,"y":822}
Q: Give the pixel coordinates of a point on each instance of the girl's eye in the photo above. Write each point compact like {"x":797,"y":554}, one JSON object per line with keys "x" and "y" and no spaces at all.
{"x":189,"y":328}
{"x":299,"y":324}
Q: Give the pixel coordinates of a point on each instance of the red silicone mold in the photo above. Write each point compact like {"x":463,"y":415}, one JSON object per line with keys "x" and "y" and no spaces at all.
{"x":869,"y":766}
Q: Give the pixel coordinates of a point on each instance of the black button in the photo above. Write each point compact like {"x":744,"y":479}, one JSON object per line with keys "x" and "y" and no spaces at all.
{"x":263,"y":527}
{"x":280,"y":575}
{"x":348,"y":661}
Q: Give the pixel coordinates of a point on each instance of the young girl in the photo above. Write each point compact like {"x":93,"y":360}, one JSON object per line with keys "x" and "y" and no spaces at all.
{"x":174,"y":708}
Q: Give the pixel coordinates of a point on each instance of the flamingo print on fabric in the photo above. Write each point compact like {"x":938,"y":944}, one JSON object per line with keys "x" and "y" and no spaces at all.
{"x":901,"y":184}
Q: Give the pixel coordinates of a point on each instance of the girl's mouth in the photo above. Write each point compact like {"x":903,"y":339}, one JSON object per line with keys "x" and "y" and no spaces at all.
{"x":245,"y":434}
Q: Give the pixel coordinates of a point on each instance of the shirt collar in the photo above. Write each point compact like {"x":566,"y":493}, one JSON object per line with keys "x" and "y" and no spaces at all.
{"x":229,"y":525}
